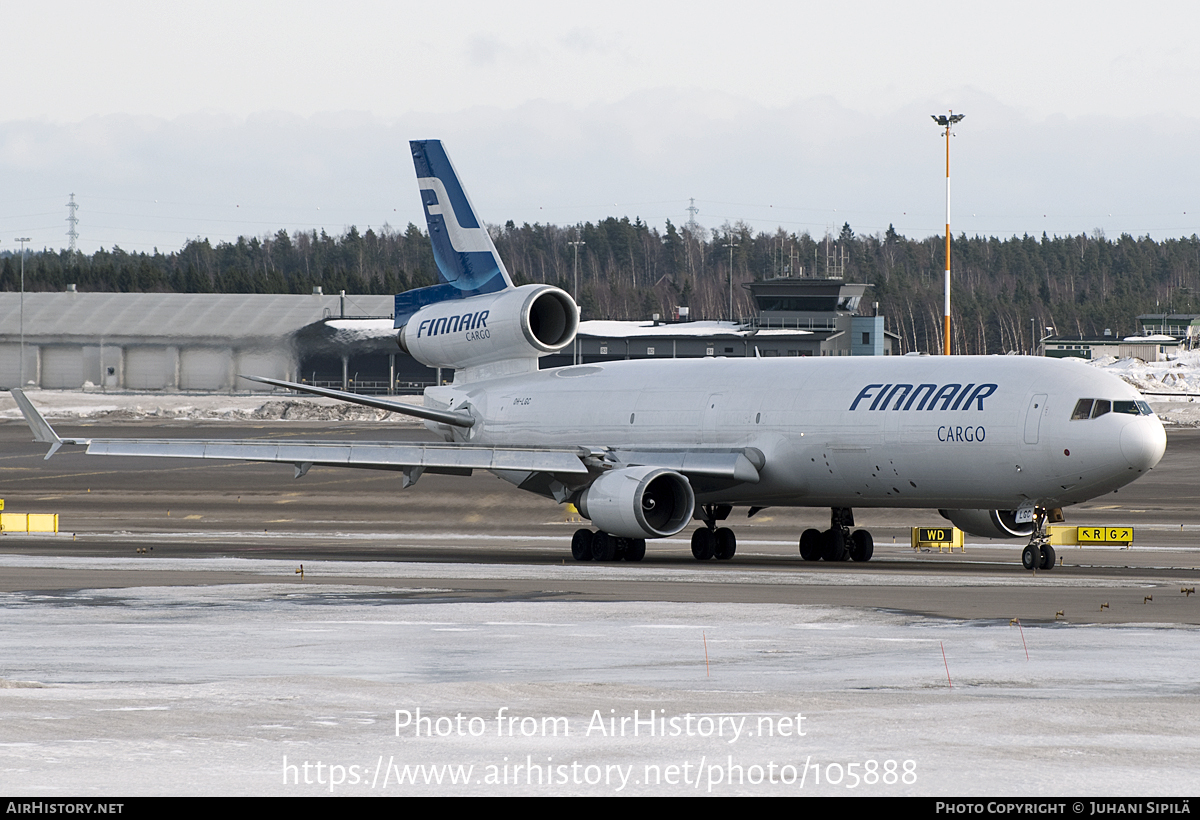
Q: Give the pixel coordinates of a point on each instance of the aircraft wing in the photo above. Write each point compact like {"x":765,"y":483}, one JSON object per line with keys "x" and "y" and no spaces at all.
{"x":410,"y":458}
{"x":565,"y":465}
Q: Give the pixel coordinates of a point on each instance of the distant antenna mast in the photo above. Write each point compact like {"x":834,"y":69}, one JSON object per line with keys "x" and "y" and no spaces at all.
{"x":73,"y":221}
{"x":692,"y":210}
{"x":835,"y":258}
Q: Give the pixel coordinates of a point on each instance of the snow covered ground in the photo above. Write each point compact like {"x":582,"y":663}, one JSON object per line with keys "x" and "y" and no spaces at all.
{"x":360,"y":690}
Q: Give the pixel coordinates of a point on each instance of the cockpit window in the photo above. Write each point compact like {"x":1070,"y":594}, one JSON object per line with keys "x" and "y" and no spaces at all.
{"x":1095,"y":408}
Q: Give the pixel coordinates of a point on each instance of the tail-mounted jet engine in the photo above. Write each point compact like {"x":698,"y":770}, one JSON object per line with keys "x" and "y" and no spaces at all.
{"x":989,"y":523}
{"x":521,"y":323}
{"x":639,"y":502}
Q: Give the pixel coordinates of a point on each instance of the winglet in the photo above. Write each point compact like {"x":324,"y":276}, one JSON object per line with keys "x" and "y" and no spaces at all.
{"x":42,"y":431}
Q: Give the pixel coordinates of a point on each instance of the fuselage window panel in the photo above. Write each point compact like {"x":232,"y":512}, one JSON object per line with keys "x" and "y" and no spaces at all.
{"x":1083,"y":410}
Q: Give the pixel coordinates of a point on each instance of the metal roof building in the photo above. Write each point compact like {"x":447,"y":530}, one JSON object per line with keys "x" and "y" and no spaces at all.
{"x":179,"y":341}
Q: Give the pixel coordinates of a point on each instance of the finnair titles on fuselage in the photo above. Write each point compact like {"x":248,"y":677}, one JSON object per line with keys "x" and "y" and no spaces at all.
{"x":956,"y":392}
{"x":997,"y":444}
{"x":932,"y":395}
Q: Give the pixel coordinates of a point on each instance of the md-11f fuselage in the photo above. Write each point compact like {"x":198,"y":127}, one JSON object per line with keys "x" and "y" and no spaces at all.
{"x":959,"y":433}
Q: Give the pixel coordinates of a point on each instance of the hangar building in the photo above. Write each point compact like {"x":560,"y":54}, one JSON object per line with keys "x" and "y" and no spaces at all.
{"x":186,"y":341}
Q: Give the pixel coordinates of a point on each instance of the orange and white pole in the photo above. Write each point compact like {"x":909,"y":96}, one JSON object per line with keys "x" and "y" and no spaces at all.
{"x":947,"y":121}
{"x":946,"y":312}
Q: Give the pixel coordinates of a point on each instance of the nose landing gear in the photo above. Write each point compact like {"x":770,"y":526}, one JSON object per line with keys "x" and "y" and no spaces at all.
{"x":1038,"y":554}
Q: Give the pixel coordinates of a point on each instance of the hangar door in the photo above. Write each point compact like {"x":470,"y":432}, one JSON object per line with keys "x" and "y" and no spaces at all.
{"x":148,"y":368}
{"x":205,"y":368}
{"x":62,"y":367}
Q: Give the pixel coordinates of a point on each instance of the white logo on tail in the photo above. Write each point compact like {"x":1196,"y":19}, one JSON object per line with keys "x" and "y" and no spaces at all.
{"x":463,"y":240}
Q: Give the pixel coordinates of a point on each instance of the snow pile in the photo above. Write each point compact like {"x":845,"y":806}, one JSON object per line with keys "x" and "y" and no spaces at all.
{"x":1172,"y":387}
{"x":64,"y":404}
{"x":1178,"y":376}
{"x":362,"y":330}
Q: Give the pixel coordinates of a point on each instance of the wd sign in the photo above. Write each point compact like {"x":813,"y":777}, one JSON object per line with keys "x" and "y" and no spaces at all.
{"x":938,"y":538}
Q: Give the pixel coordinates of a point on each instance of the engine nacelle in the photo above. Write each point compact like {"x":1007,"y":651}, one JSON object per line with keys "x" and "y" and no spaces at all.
{"x":639,"y":502}
{"x":989,"y":523}
{"x":518,"y":323}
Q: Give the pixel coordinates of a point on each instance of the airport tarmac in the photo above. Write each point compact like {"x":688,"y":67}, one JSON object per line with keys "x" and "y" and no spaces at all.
{"x":164,"y":643}
{"x":154,"y":509}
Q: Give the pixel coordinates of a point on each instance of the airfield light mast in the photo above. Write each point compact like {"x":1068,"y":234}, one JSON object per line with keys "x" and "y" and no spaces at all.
{"x":23,"y":240}
{"x":731,"y":245}
{"x":576,"y":245}
{"x":947,"y":122}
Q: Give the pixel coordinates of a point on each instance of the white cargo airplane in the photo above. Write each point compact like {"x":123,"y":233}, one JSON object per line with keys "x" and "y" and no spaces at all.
{"x":997,"y":444}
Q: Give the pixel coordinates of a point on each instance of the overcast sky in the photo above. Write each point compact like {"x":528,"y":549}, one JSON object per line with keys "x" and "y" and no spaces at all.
{"x":215,"y":119}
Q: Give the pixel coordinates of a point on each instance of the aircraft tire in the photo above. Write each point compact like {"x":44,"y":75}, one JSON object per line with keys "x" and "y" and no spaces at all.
{"x":1047,"y":558}
{"x":704,"y":544}
{"x":833,"y":546}
{"x":581,"y":545}
{"x":810,"y":545}
{"x":726,"y":544}
{"x":635,"y":549}
{"x":1031,"y":557}
{"x":604,"y":547}
{"x":862,"y":546}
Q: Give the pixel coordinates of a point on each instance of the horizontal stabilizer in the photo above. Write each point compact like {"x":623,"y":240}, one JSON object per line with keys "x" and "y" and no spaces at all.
{"x":42,"y":431}
{"x":430,"y":414}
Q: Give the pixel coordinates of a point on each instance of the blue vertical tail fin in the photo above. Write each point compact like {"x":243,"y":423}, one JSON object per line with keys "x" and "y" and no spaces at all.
{"x":466,"y":257}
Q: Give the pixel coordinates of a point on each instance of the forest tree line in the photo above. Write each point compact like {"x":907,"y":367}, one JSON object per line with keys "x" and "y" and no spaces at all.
{"x":1005,"y":291}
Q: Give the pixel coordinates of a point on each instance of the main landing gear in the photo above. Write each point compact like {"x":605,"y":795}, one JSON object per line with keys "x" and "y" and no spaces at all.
{"x":600,"y":546}
{"x":837,"y":543}
{"x":1038,"y":554}
{"x":711,"y":541}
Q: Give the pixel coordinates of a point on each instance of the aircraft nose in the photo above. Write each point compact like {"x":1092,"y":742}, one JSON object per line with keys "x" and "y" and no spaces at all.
{"x":1143,"y":443}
